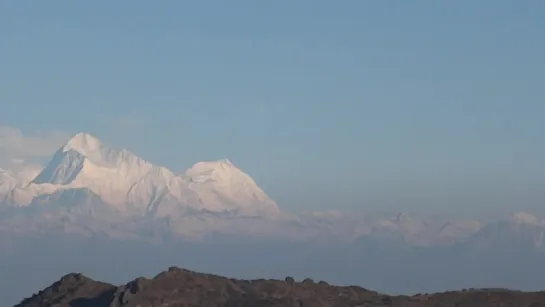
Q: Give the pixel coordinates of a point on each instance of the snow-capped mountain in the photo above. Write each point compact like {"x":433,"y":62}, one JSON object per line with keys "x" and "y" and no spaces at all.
{"x":135,"y":187}
{"x":220,"y":184}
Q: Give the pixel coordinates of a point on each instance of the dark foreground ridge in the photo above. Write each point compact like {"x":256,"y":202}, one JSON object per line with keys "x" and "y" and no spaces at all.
{"x":179,"y":287}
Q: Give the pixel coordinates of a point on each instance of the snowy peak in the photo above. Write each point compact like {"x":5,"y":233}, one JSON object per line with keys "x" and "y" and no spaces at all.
{"x":100,"y":154}
{"x":83,"y":143}
{"x":86,"y":162}
{"x":221,"y":182}
{"x":220,"y":169}
{"x":218,"y":164}
{"x":86,"y":155}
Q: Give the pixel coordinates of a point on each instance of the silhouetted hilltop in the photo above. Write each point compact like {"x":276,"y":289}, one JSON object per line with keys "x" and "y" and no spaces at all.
{"x":180,"y":287}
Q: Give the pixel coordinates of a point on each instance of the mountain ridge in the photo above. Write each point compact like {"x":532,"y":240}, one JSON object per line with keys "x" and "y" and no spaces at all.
{"x":182,"y":287}
{"x":135,"y":186}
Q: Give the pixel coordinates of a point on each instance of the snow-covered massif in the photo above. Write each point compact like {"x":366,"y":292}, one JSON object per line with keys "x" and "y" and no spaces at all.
{"x":135,"y":187}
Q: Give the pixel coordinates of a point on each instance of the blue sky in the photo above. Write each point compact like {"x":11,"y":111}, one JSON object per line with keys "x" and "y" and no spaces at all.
{"x":418,"y":105}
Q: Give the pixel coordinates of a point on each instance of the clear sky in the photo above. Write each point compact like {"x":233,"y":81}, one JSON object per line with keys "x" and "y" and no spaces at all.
{"x":430,"y":105}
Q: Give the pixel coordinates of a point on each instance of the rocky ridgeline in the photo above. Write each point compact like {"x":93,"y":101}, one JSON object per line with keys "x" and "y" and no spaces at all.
{"x":180,"y":287}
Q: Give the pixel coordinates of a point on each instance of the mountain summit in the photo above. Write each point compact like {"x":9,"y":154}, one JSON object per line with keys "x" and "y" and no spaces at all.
{"x":133,"y":186}
{"x":83,"y":143}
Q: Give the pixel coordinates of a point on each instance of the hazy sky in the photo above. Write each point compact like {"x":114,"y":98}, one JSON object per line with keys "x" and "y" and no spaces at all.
{"x":327,"y":104}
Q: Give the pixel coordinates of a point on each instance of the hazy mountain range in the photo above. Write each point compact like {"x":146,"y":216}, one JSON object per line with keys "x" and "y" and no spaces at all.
{"x":89,"y":187}
{"x":94,"y":204}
